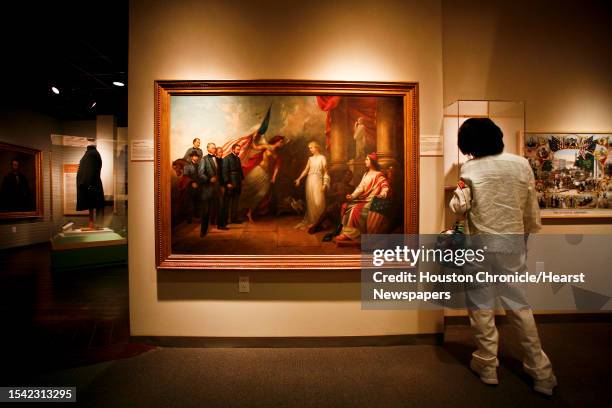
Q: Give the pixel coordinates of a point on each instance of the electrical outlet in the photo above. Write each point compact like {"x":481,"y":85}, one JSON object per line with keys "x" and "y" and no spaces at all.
{"x":540,"y":266}
{"x":14,"y":229}
{"x":243,"y":284}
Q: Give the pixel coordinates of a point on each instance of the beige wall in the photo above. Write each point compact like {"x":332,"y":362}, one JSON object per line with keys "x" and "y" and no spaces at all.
{"x":554,"y":55}
{"x":351,"y":40}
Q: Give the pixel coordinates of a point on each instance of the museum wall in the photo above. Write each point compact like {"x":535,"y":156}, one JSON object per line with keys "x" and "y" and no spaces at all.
{"x":554,"y":55}
{"x":31,"y":130}
{"x":339,"y":40}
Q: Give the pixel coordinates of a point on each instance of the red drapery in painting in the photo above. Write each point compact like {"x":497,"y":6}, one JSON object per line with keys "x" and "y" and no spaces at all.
{"x":356,"y":107}
{"x":327,"y":104}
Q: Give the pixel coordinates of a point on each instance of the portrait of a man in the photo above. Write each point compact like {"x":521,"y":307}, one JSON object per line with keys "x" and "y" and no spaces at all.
{"x":19,"y":182}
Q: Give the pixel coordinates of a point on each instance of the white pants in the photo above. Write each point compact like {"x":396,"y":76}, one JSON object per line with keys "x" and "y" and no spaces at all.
{"x":481,"y":307}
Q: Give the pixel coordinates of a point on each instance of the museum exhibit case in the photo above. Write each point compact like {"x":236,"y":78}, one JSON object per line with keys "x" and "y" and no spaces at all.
{"x":78,"y":238}
{"x":508,"y":115}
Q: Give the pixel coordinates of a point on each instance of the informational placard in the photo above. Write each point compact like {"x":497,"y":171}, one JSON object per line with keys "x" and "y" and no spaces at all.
{"x":141,"y":150}
{"x":431,"y":145}
{"x":65,"y":140}
{"x":69,"y":181}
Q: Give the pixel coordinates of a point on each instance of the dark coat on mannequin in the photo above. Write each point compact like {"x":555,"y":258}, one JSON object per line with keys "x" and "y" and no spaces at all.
{"x":90,"y":193}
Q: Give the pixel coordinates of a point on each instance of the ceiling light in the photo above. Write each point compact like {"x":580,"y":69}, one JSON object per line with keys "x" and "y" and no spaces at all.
{"x":55,"y":90}
{"x":117,"y":83}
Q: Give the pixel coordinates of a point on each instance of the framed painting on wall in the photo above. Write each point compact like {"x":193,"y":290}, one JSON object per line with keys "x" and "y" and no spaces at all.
{"x":21,"y":182}
{"x":573,"y":172}
{"x":282,"y":174}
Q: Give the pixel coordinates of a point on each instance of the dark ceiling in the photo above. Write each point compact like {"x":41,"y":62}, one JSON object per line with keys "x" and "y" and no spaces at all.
{"x":78,"y":47}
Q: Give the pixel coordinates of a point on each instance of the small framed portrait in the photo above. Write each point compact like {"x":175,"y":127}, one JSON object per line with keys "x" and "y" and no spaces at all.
{"x":21,"y":182}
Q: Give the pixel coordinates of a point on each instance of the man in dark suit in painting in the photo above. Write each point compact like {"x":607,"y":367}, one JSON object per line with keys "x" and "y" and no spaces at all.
{"x":218,"y":216}
{"x":208,"y":175}
{"x":232,"y":178}
{"x":193,"y":188}
{"x":195,"y":149}
{"x":15,"y":192}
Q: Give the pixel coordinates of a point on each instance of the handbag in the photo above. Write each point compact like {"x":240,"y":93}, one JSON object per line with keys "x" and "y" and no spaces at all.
{"x":453,"y":239}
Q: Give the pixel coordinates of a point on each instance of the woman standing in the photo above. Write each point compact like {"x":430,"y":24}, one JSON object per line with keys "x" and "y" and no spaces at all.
{"x":501,"y":211}
{"x":356,"y":215}
{"x":316,"y":184}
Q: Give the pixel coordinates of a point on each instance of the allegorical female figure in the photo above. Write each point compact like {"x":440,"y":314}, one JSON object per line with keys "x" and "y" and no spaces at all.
{"x":261,"y":170}
{"x":356,"y":215}
{"x":317,"y":181}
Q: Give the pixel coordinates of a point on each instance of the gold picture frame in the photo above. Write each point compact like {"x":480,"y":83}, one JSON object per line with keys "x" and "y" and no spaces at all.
{"x":164,"y":92}
{"x":23,"y":198}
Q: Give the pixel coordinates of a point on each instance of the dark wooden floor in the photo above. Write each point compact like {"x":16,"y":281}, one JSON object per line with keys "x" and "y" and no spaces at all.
{"x":60,"y":319}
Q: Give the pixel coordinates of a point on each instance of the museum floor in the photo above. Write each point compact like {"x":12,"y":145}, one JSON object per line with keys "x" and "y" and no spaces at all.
{"x":73,"y":329}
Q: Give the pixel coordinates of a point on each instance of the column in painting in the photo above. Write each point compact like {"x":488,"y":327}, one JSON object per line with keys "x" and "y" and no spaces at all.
{"x":386,"y":127}
{"x":339,"y":138}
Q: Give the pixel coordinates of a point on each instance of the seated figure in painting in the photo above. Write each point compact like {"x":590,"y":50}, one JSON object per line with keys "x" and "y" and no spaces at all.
{"x":363,"y":213}
{"x":335,"y":198}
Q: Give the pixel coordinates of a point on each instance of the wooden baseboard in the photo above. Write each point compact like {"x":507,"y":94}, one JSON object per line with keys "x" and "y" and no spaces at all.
{"x":290,"y":342}
{"x":541,"y":318}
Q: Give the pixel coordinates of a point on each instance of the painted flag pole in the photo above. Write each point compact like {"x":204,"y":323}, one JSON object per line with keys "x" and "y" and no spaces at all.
{"x":264,"y":124}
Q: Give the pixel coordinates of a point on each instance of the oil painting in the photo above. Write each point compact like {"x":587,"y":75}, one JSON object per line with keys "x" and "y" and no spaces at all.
{"x":258,"y":176}
{"x":21,"y":182}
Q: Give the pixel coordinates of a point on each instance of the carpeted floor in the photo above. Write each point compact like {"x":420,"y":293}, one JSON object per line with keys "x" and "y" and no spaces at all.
{"x":399,"y":376}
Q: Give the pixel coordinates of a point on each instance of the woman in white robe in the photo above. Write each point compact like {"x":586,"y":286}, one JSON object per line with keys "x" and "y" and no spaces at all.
{"x":317,"y":181}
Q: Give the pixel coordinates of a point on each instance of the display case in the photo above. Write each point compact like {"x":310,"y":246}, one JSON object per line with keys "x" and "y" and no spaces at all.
{"x":508,"y":115}
{"x":73,"y":244}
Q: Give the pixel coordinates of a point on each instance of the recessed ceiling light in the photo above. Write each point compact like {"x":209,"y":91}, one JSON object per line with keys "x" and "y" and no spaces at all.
{"x":117,"y":83}
{"x":55,"y":90}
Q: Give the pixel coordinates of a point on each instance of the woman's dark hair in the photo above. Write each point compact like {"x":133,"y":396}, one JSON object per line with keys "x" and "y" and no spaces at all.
{"x":480,"y":137}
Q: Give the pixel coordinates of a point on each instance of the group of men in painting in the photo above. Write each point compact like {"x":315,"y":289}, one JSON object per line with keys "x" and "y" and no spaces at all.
{"x":218,"y":185}
{"x":214,"y":184}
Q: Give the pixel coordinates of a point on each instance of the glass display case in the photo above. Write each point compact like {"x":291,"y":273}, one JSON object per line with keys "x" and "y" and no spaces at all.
{"x":508,"y":115}
{"x":74,"y":245}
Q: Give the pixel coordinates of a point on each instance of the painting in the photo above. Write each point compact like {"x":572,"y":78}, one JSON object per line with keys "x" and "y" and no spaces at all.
{"x":290,"y":175}
{"x":573,"y":172}
{"x":21,"y":178}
